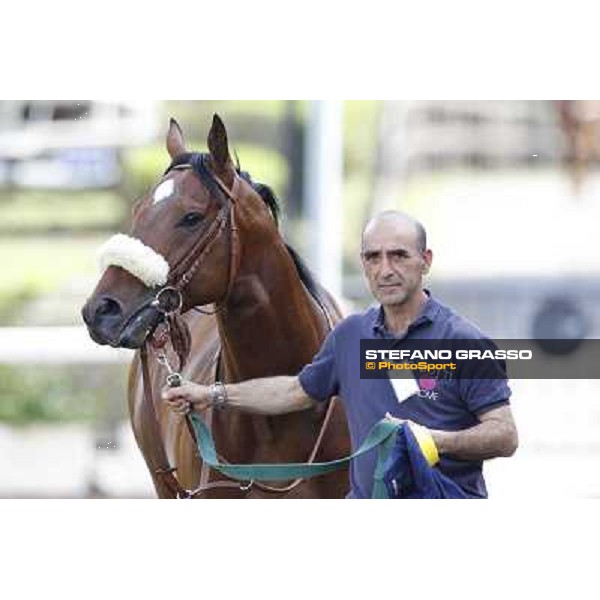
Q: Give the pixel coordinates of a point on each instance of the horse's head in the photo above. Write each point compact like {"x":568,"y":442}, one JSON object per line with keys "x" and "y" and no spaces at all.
{"x":184,"y":244}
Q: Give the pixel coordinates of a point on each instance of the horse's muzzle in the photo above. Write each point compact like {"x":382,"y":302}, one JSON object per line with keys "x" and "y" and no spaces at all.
{"x":107,"y":323}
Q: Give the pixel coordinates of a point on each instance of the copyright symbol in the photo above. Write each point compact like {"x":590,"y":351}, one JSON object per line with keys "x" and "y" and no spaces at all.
{"x":370,"y":365}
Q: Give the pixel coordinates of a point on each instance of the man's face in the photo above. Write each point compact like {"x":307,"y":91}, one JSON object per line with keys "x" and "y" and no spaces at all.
{"x":392,"y":262}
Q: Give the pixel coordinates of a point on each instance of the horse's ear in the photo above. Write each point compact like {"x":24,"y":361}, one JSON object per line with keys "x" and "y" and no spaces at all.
{"x":217,"y":143}
{"x":175,"y":143}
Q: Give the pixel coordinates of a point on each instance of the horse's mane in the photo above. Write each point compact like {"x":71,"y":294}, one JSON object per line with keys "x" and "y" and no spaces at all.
{"x":199,"y":161}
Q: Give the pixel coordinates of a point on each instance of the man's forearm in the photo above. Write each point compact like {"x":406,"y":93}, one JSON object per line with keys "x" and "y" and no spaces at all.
{"x":269,"y":396}
{"x":489,"y":439}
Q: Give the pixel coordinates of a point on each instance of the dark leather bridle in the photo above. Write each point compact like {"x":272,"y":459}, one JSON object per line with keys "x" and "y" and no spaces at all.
{"x":183,"y":272}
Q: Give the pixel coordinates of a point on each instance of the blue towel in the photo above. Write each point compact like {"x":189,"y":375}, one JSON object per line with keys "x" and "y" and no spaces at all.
{"x":407,"y":474}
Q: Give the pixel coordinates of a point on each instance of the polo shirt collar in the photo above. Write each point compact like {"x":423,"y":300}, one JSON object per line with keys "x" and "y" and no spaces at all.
{"x":428,"y":313}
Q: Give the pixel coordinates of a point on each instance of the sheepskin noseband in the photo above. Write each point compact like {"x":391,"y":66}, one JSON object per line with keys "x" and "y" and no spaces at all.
{"x":135,"y":257}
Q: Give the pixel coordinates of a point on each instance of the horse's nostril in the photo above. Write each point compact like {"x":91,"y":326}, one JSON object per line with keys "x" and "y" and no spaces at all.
{"x":108,"y":307}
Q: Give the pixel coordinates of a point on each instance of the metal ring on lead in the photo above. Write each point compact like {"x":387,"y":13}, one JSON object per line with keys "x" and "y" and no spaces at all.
{"x":174,"y":380}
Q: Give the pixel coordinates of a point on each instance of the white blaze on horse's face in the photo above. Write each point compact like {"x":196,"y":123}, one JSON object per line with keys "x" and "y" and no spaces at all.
{"x":163,"y":191}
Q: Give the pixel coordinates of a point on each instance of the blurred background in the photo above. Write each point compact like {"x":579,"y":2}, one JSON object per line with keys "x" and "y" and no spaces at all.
{"x":509,"y":192}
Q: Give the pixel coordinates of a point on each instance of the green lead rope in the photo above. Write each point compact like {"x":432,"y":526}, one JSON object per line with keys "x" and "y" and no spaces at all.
{"x":381,"y":436}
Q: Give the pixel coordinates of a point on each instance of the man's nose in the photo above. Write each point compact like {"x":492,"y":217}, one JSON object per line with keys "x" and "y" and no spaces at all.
{"x":385,"y":268}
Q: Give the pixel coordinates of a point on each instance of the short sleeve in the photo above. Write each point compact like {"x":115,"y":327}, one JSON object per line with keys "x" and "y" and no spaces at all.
{"x":319,"y":379}
{"x":481,"y":395}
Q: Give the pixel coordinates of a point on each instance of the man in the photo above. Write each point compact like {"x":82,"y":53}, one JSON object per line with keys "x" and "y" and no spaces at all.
{"x":469,"y":420}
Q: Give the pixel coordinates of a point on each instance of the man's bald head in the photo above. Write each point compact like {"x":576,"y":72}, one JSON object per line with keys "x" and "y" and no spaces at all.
{"x":403,"y":220}
{"x":395,"y":259}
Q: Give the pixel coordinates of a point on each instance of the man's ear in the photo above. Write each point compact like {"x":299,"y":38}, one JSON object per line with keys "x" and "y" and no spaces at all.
{"x":427,"y":259}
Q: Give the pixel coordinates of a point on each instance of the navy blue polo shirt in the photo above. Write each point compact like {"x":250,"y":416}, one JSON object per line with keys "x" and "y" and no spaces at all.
{"x":455,"y":405}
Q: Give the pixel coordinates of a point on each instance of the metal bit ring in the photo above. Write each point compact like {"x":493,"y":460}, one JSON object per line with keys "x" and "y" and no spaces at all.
{"x":168,"y":300}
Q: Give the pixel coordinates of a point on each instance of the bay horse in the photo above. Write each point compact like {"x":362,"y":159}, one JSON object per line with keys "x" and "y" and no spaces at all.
{"x":211,"y":233}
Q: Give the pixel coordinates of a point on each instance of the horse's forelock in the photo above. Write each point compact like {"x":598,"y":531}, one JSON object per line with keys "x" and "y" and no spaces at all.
{"x":199,"y":164}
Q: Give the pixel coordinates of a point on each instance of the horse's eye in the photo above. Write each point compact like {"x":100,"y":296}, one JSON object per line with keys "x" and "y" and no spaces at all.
{"x":190,"y":220}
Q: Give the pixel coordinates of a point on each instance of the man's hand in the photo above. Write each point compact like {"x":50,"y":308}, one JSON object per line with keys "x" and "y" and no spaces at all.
{"x":393,"y":419}
{"x":186,"y":398}
{"x":424,"y":437}
{"x":398,"y":421}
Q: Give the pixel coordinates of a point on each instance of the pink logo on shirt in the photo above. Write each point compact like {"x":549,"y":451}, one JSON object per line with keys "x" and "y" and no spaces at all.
{"x":427,"y":384}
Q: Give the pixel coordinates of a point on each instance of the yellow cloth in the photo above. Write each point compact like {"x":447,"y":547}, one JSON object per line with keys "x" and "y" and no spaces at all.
{"x":426,"y":443}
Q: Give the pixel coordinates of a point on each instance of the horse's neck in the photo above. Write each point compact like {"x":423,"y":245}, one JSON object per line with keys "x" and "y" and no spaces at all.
{"x":271,"y":325}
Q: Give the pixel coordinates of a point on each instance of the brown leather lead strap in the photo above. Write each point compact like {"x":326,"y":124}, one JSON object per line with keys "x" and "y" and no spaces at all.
{"x":181,"y":338}
{"x":160,"y":463}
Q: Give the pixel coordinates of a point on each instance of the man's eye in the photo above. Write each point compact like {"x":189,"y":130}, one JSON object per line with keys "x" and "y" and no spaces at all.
{"x":190,"y":220}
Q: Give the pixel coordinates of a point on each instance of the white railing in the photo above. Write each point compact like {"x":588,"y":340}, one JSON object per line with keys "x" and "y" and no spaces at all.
{"x":55,"y":345}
